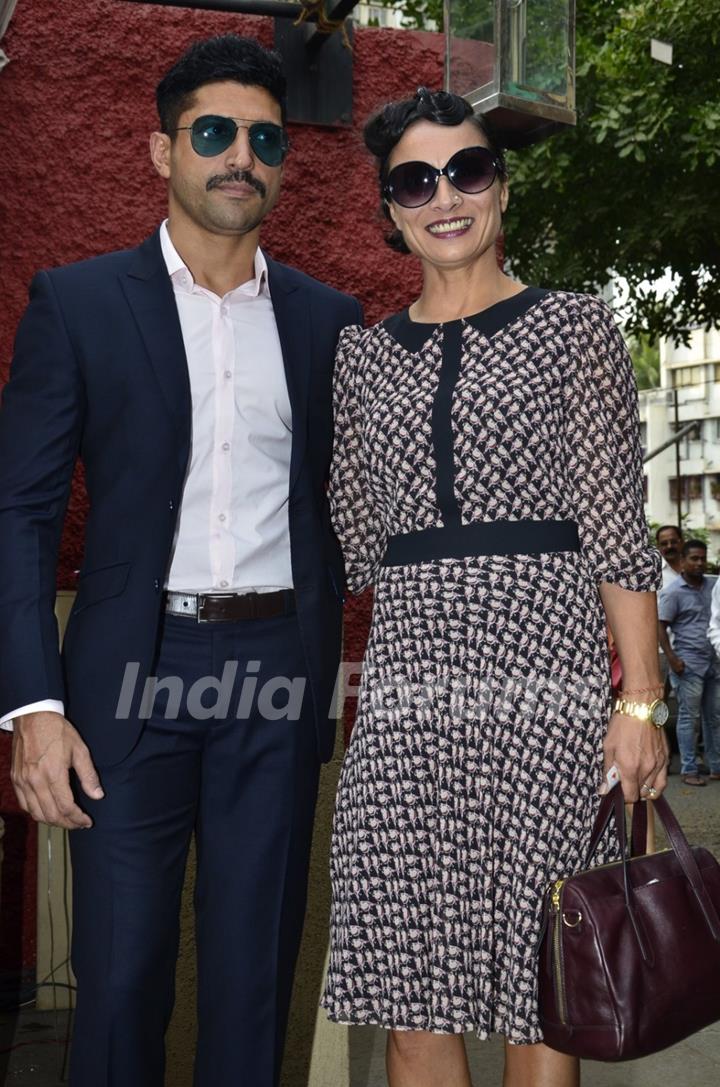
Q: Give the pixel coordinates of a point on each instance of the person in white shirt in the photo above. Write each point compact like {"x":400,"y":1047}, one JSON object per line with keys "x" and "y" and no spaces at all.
{"x":192,"y":375}
{"x":669,"y":540}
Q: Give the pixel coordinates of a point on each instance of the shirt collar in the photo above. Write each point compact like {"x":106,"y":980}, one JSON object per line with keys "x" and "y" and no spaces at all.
{"x":694,"y":588}
{"x":182,"y":276}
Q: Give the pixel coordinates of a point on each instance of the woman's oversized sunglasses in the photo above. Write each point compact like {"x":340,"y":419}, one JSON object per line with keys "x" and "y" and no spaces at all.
{"x":470,"y":170}
{"x":211,"y":135}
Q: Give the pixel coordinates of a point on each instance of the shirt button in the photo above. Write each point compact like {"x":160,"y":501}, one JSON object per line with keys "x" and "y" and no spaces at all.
{"x":221,"y":517}
{"x":228,"y":374}
{"x":223,"y":309}
{"x":226,"y":446}
{"x":223,"y":584}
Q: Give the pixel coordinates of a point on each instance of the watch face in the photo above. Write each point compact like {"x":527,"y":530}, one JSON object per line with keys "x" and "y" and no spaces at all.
{"x":659,"y":713}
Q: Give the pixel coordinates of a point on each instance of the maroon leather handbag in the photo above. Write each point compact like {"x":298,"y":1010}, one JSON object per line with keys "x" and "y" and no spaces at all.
{"x":630,"y":951}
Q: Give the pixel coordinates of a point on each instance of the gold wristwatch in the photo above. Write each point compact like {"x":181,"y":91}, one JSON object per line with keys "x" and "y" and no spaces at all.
{"x":655,"y":713}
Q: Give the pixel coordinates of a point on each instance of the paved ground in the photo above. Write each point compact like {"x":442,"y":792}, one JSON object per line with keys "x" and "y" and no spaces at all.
{"x":32,"y":1044}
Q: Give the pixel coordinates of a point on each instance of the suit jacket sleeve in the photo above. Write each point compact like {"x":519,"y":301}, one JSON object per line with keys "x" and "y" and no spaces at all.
{"x":40,"y":428}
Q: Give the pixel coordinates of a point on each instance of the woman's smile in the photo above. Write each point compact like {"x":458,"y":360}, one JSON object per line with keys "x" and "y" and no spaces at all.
{"x":450,"y":228}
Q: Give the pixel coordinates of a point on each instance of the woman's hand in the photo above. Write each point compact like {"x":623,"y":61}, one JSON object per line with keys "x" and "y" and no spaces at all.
{"x":640,"y":752}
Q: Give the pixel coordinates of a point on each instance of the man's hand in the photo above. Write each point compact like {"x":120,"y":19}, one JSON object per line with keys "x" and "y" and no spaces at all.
{"x":45,"y":747}
{"x":676,"y":663}
{"x":640,"y":752}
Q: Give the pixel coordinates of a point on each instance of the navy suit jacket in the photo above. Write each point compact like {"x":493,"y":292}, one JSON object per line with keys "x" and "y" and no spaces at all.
{"x":100,"y":372}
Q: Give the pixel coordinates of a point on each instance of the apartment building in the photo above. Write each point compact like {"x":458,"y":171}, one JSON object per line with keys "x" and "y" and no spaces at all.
{"x":689,"y":393}
{"x":377,"y":15}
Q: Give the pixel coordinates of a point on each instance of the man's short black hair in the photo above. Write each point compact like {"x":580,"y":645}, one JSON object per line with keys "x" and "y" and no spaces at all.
{"x":694,"y":545}
{"x":668,"y":528}
{"x":227,"y":57}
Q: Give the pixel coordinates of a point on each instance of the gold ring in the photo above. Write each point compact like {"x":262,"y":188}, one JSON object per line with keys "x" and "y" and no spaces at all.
{"x":652,"y":793}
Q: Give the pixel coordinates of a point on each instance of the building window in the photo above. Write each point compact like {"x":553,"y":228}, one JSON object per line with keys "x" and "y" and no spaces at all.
{"x":715,"y":488}
{"x":693,"y":435}
{"x":691,"y":487}
{"x":684,"y":376}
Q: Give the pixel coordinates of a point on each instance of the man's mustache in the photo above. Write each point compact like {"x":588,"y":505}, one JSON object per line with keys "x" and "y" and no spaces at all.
{"x":239,"y":177}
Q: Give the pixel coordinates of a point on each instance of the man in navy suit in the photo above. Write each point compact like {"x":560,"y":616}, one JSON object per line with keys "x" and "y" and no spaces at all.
{"x":192,"y":375}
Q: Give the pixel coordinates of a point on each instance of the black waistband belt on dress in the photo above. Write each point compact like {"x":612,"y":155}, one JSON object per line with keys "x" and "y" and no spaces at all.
{"x":481,"y":538}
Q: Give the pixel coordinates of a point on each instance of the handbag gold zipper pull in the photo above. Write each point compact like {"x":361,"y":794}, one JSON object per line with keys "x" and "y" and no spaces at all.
{"x":557,"y":887}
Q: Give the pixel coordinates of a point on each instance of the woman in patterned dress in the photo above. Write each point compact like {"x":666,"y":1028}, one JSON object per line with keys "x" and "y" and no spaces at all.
{"x":487,"y":482}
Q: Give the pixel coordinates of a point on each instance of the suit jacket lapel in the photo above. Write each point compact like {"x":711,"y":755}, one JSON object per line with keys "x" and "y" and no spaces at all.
{"x":148,"y":289}
{"x":294,"y":325}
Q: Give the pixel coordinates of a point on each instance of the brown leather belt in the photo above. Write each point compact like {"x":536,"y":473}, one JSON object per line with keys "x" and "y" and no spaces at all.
{"x":231,"y":607}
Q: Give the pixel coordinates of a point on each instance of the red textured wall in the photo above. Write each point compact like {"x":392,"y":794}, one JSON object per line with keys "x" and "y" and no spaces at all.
{"x":76,"y":107}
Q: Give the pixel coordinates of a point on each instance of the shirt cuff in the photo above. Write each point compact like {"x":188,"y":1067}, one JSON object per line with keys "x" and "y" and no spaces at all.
{"x":49,"y":705}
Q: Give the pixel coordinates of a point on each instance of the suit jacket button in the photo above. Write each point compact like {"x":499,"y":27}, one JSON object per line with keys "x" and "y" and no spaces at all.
{"x":157,"y":585}
{"x":171,"y":504}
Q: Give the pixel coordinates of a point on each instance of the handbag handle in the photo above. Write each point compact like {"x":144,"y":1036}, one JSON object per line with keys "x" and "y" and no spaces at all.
{"x":602,"y":819}
{"x":613,"y":803}
{"x":638,"y":834}
{"x":687,"y":861}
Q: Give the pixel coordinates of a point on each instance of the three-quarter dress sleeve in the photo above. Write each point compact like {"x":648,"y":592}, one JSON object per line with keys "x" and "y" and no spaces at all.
{"x":603,"y":456}
{"x":356,"y":518}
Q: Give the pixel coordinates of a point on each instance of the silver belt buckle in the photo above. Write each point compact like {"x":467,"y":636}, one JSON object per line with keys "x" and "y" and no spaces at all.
{"x":177,"y":604}
{"x":202,"y":597}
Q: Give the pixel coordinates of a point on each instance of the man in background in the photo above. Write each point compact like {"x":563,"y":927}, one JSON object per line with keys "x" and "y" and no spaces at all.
{"x":669,"y":540}
{"x":684,"y":608}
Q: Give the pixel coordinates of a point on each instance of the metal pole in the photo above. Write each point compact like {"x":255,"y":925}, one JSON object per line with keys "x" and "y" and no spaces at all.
{"x":671,"y":441}
{"x":677,"y":466}
{"x":278,"y":8}
{"x":340,"y":11}
{"x":448,"y":45}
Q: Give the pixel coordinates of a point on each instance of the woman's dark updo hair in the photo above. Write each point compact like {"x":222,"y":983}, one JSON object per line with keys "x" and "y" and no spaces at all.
{"x":385,"y":129}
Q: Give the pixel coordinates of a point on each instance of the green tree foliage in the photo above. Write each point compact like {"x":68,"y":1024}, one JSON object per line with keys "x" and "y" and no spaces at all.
{"x":646,"y":360}
{"x":632,"y":190}
{"x":417,"y":14}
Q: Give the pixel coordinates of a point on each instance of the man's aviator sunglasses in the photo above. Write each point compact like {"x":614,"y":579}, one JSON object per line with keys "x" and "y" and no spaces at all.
{"x":470,"y":170}
{"x":211,"y":135}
